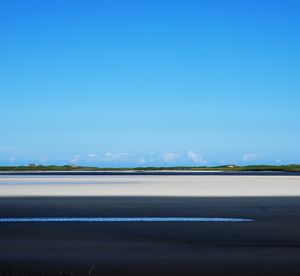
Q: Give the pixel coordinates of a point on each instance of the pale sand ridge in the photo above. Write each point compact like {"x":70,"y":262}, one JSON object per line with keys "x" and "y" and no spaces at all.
{"x":187,"y":186}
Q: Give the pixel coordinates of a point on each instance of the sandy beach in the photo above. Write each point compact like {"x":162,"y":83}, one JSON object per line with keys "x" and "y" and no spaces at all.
{"x":139,"y":185}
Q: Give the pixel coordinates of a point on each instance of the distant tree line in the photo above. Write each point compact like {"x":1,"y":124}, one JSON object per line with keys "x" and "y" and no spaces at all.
{"x":35,"y":167}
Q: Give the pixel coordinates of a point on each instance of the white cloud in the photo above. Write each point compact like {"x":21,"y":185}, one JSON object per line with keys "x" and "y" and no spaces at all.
{"x":247,"y":157}
{"x":75,"y":159}
{"x":12,"y":159}
{"x":44,"y":159}
{"x":195,"y":157}
{"x":142,"y":160}
{"x":92,"y":156}
{"x":115,"y":156}
{"x":169,"y":157}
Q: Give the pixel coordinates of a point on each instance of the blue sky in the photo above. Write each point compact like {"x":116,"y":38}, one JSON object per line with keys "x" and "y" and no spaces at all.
{"x":123,"y":83}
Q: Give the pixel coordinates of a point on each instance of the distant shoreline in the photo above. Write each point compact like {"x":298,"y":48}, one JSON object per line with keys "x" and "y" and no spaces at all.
{"x":214,"y":170}
{"x":153,"y":173}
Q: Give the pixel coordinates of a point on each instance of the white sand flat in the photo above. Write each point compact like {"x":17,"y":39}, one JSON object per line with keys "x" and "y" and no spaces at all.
{"x":137,"y":185}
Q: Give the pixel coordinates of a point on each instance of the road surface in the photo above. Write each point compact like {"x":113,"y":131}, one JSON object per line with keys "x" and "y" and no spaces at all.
{"x":268,"y":245}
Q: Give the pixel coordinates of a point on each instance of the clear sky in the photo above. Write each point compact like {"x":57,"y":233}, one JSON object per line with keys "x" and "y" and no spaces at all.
{"x":154,"y":82}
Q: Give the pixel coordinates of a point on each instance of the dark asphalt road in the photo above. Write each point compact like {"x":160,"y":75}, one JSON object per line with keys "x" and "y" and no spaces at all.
{"x":268,"y":246}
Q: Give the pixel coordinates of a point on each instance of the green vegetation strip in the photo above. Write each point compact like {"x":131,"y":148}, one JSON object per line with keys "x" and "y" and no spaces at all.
{"x":66,"y":168}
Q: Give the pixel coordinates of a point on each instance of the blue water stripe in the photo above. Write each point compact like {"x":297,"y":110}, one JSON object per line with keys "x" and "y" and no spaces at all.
{"x":122,"y":219}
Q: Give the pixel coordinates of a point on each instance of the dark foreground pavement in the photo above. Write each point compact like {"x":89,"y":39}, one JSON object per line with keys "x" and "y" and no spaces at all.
{"x":268,"y":246}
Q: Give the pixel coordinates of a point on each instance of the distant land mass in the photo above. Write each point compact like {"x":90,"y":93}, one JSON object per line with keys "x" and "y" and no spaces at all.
{"x":67,"y":168}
